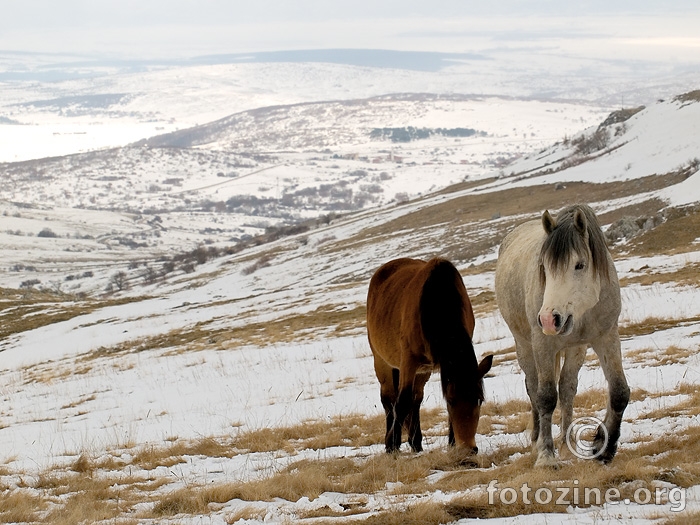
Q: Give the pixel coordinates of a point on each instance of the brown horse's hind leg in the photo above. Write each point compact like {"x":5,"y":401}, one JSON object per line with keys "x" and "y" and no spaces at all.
{"x":388,"y":389}
{"x":404,"y":404}
{"x":402,"y":408}
{"x":412,"y":424}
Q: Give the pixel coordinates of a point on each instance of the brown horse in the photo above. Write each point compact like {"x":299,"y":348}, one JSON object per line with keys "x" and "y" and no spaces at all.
{"x":420,"y":319}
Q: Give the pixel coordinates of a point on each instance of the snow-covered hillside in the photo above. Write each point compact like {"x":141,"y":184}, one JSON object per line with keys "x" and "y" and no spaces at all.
{"x":224,"y":182}
{"x":273,"y":336}
{"x":633,"y":143}
{"x":218,"y":185}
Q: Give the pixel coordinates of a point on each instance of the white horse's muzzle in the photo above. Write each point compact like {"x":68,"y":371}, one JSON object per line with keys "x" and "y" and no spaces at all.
{"x":553,"y":323}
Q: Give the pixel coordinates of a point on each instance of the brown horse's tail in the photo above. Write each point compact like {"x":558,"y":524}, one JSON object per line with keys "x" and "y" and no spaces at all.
{"x":444,"y":307}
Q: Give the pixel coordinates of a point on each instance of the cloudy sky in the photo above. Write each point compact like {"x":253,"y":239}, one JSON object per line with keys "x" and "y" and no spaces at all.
{"x":184,"y":28}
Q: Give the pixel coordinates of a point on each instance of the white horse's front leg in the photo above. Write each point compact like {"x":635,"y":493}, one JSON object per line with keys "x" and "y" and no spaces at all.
{"x":568,"y":385}
{"x":546,"y":403}
{"x":610,"y":355}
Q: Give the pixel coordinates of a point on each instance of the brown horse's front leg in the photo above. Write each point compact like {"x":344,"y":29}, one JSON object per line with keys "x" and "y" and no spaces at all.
{"x":415,"y":435}
{"x":389,"y":411}
{"x":402,"y":408}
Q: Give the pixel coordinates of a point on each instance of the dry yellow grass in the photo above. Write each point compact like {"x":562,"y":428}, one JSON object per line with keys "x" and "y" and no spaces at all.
{"x":684,"y":518}
{"x":422,"y":513}
{"x":329,"y":319}
{"x":310,"y":479}
{"x":510,"y":417}
{"x":651,"y":325}
{"x":688,"y":275}
{"x":642,"y":466}
{"x":90,"y":489}
{"x":349,"y":430}
{"x":475,"y":207}
{"x":689,"y":407}
{"x":676,"y":235}
{"x":21,"y":506}
{"x":656,"y":356}
{"x":251,"y":513}
{"x":482,"y":302}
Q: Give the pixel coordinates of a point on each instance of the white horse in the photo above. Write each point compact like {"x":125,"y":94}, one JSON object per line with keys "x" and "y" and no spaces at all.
{"x":557,"y":289}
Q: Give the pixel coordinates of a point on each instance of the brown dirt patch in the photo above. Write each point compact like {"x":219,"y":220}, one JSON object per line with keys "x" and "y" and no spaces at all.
{"x":462,"y":217}
{"x":676,"y":235}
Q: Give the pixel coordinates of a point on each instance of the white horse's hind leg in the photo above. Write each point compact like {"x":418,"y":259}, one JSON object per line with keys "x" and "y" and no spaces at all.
{"x":610,"y":355}
{"x":526,"y":360}
{"x":568,"y":385}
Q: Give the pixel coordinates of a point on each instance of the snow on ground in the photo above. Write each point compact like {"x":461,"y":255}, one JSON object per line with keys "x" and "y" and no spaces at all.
{"x":61,"y":396}
{"x":186,"y":395}
{"x":56,"y":405}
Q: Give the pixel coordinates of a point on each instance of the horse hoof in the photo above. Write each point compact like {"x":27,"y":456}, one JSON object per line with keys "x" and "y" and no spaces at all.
{"x":607,"y":455}
{"x":565,"y":453}
{"x":603,"y":450}
{"x":468,"y":462}
{"x":547,"y":461}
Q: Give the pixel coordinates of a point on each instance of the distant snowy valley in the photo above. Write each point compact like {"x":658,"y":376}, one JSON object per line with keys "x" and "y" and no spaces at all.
{"x":272,"y":156}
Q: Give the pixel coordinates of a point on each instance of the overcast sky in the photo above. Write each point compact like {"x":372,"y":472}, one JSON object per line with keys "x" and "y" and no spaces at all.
{"x":186,"y":28}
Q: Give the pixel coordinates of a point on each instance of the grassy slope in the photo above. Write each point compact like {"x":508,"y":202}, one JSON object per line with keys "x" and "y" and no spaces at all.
{"x":106,"y":485}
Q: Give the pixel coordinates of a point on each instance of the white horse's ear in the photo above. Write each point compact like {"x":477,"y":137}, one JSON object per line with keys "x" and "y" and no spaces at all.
{"x":580,"y":221}
{"x":548,"y":222}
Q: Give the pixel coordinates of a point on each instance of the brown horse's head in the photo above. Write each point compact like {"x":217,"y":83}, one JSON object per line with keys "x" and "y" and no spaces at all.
{"x":464,"y":399}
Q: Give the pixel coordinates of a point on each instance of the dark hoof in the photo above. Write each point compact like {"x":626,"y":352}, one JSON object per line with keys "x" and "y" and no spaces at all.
{"x":468,"y":462}
{"x":607,"y":455}
{"x":603,"y":450}
{"x":466,"y":457}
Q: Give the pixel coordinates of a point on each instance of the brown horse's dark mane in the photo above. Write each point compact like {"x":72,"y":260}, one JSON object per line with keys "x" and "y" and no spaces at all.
{"x":566,"y":239}
{"x":442,"y":307}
